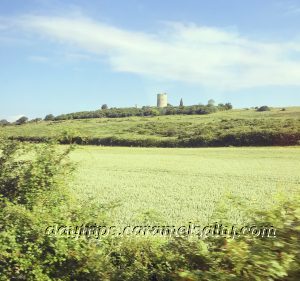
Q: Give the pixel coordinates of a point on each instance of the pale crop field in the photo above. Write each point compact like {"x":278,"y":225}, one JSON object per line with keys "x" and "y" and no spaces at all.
{"x":177,"y":186}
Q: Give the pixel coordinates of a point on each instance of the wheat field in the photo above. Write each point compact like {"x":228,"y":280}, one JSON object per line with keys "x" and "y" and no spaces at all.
{"x":176,"y":186}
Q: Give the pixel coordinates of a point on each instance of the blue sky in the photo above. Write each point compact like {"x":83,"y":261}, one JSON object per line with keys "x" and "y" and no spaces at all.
{"x":63,"y":57}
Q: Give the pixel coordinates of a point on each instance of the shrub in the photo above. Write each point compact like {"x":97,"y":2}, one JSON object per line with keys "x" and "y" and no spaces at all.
{"x":247,"y":258}
{"x":4,"y":122}
{"x":22,"y":181}
{"x":33,"y":196}
{"x":263,"y":108}
{"x":211,"y":102}
{"x":49,"y":117}
{"x":228,"y":106}
{"x":22,"y":120}
{"x":36,"y":120}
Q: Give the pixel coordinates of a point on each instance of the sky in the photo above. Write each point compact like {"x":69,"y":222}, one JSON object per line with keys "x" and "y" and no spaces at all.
{"x":66,"y":56}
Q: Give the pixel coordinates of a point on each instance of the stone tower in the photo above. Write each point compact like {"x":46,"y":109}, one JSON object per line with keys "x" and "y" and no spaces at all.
{"x":162,"y":100}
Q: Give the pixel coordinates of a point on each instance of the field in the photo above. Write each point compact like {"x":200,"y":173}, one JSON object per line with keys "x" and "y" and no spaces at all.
{"x":234,"y":127}
{"x":151,"y":186}
{"x":176,"y":186}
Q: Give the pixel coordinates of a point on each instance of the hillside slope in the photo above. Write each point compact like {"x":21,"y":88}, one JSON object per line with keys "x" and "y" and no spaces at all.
{"x":234,"y":127}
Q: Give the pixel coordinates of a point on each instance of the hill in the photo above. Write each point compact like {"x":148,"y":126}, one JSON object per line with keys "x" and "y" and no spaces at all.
{"x":238,"y":127}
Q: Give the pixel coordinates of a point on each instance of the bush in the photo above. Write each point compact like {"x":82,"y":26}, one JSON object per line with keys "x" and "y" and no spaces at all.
{"x":263,"y":108}
{"x":49,"y":117}
{"x":22,"y":181}
{"x":33,"y":196}
{"x":4,"y":122}
{"x":246,"y":258}
{"x":36,"y":120}
{"x":22,"y":120}
{"x":202,"y":138}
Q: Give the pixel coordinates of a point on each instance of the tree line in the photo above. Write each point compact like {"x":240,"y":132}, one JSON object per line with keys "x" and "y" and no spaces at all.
{"x":106,"y":112}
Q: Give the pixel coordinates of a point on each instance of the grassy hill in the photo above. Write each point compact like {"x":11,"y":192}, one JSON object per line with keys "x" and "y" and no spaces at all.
{"x":234,"y":127}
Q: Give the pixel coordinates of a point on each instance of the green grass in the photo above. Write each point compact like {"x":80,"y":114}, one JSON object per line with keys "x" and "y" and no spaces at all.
{"x":176,"y":186}
{"x":168,"y":128}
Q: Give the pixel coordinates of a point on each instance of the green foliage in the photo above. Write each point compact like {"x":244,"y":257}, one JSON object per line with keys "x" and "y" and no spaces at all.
{"x":245,"y":258}
{"x":71,"y":136}
{"x":228,"y":106}
{"x":264,"y":108}
{"x":106,"y":112}
{"x":249,"y":258}
{"x":37,"y":176}
{"x":36,"y":120}
{"x":211,"y":102}
{"x":181,"y":103}
{"x":22,"y":120}
{"x":23,"y":181}
{"x":49,"y":117}
{"x":223,"y":128}
{"x":104,"y":106}
{"x":34,"y":195}
{"x":4,"y":122}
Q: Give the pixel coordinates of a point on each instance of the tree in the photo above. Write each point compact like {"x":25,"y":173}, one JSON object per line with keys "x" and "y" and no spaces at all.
{"x":104,"y":106}
{"x":4,"y":122}
{"x":181,"y":102}
{"x":228,"y":106}
{"x":263,"y":108}
{"x":211,"y":102}
{"x":36,"y":120}
{"x":49,"y":117}
{"x":22,"y":120}
{"x":154,"y":112}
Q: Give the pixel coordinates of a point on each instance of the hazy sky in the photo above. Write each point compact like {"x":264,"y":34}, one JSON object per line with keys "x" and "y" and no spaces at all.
{"x":63,"y":57}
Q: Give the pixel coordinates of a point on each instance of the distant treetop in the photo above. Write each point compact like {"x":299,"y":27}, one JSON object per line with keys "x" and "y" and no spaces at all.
{"x":3,"y":122}
{"x":144,"y":111}
{"x":22,"y":120}
{"x":181,"y":102}
{"x":49,"y":117}
{"x":263,"y":108}
{"x":211,"y":102}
